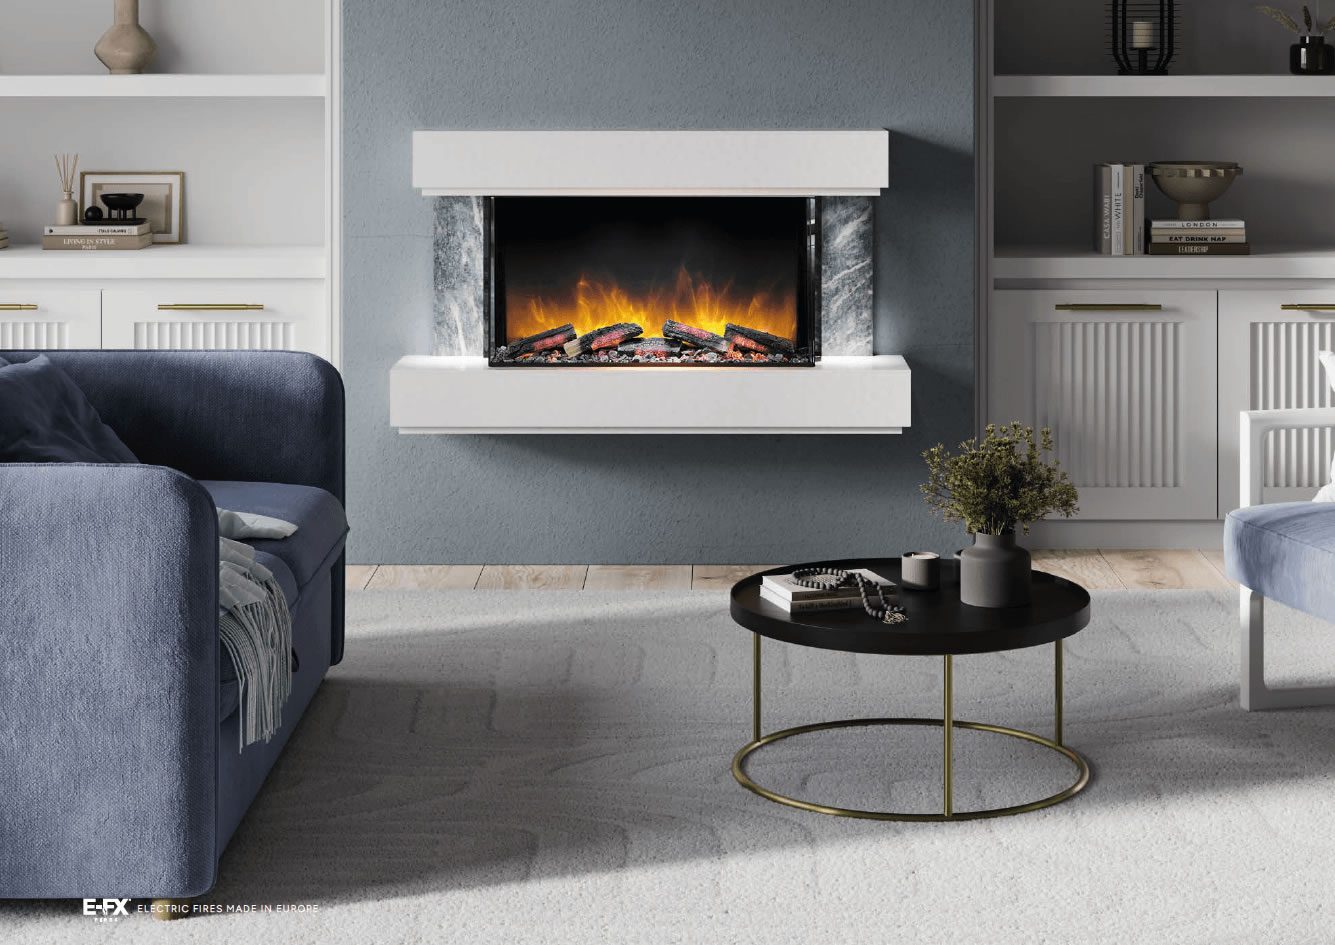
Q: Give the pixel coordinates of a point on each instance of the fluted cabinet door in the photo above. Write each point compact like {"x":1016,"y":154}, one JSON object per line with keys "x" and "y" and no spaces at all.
{"x":1268,"y":346}
{"x":1126,"y":380}
{"x":47,"y":316}
{"x":260,"y":315}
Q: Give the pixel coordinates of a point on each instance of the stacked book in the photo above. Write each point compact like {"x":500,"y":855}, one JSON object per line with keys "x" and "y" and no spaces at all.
{"x":4,"y":237}
{"x":98,"y":236}
{"x":1198,"y":238}
{"x":1119,"y":209}
{"x":782,"y":591}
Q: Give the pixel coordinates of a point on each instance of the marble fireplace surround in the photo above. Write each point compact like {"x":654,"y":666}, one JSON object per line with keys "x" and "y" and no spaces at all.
{"x":453,"y":390}
{"x":846,"y":168}
{"x":847,"y":232}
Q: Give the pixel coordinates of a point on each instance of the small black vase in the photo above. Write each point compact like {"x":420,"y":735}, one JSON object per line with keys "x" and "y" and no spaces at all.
{"x":1311,"y":56}
{"x":995,"y":572}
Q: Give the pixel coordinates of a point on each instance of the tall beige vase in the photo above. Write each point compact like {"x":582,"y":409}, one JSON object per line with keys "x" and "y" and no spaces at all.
{"x":126,"y":48}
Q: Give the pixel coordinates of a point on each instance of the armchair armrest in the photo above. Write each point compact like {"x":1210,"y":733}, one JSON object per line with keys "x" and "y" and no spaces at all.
{"x":108,"y":682}
{"x":1254,"y":426}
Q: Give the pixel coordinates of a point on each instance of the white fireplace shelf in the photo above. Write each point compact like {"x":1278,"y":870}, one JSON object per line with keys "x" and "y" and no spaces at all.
{"x":864,"y":395}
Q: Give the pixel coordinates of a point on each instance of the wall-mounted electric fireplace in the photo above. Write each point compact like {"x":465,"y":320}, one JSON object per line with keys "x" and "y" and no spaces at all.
{"x":671,"y":281}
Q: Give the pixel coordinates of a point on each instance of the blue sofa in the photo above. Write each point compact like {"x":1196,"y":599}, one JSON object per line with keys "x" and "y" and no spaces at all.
{"x":120,"y":767}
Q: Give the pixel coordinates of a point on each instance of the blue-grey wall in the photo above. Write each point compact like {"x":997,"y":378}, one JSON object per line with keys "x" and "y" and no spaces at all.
{"x":898,"y":64}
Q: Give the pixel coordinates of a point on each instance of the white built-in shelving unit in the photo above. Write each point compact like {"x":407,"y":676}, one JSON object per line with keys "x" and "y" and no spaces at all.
{"x":1140,"y":364}
{"x":244,"y":98}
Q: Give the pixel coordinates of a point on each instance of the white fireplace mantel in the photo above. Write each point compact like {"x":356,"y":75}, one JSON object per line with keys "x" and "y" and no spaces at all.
{"x":869,"y":395}
{"x":651,"y":163}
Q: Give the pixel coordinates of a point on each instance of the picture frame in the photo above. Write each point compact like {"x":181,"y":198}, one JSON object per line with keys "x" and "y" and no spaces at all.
{"x":164,"y":198}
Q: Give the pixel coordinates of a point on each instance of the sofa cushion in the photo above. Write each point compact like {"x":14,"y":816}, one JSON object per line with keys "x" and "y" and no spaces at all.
{"x":231,"y":691}
{"x":321,"y":524}
{"x":1285,"y":552}
{"x":45,"y":418}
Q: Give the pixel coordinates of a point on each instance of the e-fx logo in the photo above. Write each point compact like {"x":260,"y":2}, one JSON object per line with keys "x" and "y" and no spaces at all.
{"x":106,"y":910}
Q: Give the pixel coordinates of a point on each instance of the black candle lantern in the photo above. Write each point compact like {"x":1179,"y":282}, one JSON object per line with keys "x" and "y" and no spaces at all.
{"x":1142,"y":35}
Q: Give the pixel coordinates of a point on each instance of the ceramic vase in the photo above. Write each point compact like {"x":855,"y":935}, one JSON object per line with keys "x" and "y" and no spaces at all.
{"x":126,"y":48}
{"x":67,"y":211}
{"x":995,"y":572}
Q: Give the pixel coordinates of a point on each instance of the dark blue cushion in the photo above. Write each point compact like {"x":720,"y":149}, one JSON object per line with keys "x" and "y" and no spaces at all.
{"x":321,"y":524}
{"x":1286,"y":552}
{"x":3,"y":362}
{"x":45,"y":418}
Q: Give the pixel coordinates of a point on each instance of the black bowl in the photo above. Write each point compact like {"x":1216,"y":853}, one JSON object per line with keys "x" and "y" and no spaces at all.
{"x":121,"y":202}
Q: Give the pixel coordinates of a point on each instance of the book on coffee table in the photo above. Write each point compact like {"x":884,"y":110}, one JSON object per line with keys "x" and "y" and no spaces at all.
{"x":783,"y":591}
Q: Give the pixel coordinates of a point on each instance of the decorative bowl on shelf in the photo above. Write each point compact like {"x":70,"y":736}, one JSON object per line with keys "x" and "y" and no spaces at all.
{"x":1193,"y":185}
{"x":122,"y":206}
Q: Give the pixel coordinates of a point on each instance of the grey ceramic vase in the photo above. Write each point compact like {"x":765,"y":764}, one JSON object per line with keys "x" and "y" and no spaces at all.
{"x":995,"y":572}
{"x":126,"y":48}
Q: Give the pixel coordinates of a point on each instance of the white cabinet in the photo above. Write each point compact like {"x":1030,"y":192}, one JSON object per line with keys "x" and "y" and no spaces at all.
{"x":1126,"y":380}
{"x":1268,"y":346}
{"x":42,"y":315}
{"x":258,"y":315}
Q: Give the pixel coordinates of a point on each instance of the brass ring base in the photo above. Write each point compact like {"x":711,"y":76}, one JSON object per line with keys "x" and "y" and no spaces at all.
{"x":739,"y":772}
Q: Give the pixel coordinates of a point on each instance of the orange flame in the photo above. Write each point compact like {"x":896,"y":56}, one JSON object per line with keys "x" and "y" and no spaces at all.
{"x":692,"y":300}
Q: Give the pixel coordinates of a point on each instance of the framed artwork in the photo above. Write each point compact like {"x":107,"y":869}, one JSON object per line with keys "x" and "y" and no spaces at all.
{"x":164,"y":198}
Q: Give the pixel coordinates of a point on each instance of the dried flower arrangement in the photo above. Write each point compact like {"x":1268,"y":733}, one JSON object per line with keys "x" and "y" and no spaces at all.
{"x":1309,"y":26}
{"x":1000,"y":482}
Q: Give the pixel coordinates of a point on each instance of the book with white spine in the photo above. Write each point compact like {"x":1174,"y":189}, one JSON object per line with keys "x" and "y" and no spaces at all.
{"x":1198,"y":224}
{"x":99,"y":229}
{"x":1119,"y":209}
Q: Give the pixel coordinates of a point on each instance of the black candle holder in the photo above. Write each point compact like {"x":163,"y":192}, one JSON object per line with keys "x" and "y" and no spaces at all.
{"x":1142,"y":35}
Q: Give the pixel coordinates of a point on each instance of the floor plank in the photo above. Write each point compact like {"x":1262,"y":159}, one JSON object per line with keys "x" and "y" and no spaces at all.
{"x":1088,"y":568}
{"x":425,"y":577}
{"x":359,"y":575}
{"x":1216,"y":559}
{"x":710,"y":577}
{"x":1174,"y":569}
{"x":631,"y":577}
{"x":531,"y":577}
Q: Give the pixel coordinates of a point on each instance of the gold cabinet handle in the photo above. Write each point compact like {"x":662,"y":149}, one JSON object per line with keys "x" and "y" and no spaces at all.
{"x":17,"y":307}
{"x":211,"y":307}
{"x":1303,"y":307}
{"x":1109,"y":307}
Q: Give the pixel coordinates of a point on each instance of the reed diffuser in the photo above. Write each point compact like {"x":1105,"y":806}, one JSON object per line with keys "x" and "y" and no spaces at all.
{"x":67,"y":211}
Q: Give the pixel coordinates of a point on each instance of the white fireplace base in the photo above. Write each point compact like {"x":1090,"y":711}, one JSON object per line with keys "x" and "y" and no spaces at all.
{"x":861,"y":395}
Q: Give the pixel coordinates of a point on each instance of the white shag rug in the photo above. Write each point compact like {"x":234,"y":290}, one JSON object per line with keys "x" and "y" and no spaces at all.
{"x":553,"y":767}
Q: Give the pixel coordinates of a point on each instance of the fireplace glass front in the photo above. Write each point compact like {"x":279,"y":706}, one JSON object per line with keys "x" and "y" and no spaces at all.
{"x":670,"y":281}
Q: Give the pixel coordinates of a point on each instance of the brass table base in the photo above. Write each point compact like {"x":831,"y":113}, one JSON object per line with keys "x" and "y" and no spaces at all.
{"x":947,"y":724}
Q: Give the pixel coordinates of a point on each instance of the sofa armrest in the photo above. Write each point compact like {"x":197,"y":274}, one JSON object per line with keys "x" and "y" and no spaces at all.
{"x":108,"y":682}
{"x":1254,"y":426}
{"x":252,"y":416}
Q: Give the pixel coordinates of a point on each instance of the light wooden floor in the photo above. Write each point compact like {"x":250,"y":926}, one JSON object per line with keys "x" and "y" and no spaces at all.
{"x":1096,"y":570}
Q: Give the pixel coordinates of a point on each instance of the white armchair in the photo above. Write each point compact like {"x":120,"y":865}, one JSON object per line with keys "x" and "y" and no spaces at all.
{"x":1286,"y":552}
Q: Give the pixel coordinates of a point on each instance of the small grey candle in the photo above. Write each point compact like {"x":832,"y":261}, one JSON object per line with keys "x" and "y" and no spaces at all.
{"x":920,"y":571}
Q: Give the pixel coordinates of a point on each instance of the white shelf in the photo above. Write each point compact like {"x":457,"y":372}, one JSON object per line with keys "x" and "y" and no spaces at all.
{"x":162,"y":86}
{"x":463,"y":395}
{"x":1048,"y":263}
{"x":187,"y":261}
{"x":1163,"y":86}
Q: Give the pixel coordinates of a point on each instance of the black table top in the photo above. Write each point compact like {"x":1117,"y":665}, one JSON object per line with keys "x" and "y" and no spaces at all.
{"x":938,"y":623}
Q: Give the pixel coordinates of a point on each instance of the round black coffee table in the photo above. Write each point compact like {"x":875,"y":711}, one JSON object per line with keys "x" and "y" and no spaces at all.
{"x":938,"y":625}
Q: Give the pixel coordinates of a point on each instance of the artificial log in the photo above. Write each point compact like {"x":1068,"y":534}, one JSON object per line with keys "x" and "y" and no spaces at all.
{"x":542,"y":341}
{"x":757,"y":340}
{"x":695,"y":336}
{"x":609,"y":336}
{"x":650,"y":348}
